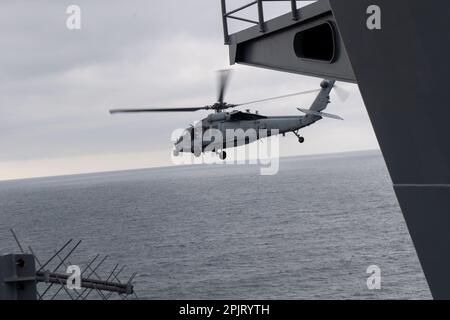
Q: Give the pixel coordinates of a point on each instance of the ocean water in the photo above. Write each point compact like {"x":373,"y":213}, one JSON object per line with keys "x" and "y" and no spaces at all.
{"x":225,"y":232}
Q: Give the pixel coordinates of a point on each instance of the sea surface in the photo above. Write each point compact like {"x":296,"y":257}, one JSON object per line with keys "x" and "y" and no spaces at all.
{"x":226,"y":232}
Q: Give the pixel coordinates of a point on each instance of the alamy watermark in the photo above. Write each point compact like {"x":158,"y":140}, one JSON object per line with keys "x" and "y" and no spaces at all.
{"x":230,"y":146}
{"x":74,"y":280}
{"x":73,"y":21}
{"x":374,"y":19}
{"x":374,"y":280}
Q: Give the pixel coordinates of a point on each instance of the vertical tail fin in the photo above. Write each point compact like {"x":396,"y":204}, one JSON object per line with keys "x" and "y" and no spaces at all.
{"x":323,"y":98}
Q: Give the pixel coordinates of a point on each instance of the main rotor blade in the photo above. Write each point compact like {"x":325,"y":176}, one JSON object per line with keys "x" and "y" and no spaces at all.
{"x":224,"y":77}
{"x":114,"y":111}
{"x":280,"y":97}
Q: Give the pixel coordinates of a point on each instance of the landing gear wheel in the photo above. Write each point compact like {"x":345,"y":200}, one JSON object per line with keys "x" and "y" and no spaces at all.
{"x":176,"y":153}
{"x":300,"y":138}
{"x":222,"y":155}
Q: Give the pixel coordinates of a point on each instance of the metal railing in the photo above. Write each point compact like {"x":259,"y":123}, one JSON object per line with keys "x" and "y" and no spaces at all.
{"x":22,"y":273}
{"x":226,"y":15}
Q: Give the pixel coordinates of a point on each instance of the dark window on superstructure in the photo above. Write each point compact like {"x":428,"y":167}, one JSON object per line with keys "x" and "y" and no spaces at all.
{"x":316,"y":43}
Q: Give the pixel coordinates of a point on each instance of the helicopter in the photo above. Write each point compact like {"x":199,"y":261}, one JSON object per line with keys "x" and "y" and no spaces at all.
{"x":223,"y":120}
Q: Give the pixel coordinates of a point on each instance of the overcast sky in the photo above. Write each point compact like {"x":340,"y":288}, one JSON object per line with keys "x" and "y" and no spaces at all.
{"x":57,"y":85}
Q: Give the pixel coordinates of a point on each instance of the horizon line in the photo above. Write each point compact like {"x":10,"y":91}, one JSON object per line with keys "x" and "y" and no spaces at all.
{"x":174,"y":165}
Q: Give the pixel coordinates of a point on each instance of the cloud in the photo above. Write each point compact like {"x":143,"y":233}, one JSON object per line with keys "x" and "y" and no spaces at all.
{"x":56,"y":85}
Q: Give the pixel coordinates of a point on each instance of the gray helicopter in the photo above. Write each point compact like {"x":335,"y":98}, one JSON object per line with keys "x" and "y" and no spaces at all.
{"x":193,"y":141}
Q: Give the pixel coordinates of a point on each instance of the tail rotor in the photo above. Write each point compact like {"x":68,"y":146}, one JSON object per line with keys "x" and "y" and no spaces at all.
{"x":342,"y":93}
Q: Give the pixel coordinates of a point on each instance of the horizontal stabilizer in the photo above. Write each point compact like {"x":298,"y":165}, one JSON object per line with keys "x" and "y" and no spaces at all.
{"x":319,"y":114}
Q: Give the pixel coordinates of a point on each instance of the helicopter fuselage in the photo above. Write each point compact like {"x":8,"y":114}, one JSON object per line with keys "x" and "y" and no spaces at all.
{"x":223,"y":130}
